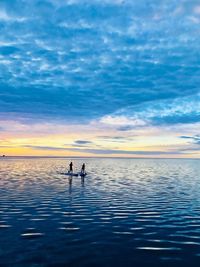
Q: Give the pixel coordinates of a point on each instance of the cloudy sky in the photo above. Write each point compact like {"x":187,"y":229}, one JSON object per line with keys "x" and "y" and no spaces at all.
{"x":100,"y":78}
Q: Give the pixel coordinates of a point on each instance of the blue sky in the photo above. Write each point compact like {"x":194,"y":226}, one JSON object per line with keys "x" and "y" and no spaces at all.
{"x":127,"y":69}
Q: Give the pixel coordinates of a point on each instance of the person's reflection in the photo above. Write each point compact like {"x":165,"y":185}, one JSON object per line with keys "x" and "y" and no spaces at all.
{"x":70,"y":184}
{"x":82,"y":180}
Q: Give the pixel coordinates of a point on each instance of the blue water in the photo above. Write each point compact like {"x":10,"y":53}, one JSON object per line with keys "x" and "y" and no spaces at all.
{"x":127,"y":212}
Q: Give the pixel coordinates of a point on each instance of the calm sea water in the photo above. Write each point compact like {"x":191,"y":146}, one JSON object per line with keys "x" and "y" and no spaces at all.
{"x":127,"y":212}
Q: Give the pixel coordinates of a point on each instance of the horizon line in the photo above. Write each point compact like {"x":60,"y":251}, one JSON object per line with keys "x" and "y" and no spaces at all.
{"x":91,"y":157}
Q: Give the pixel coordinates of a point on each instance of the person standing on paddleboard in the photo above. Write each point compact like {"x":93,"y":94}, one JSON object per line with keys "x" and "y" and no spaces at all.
{"x":71,"y":167}
{"x":83,"y":168}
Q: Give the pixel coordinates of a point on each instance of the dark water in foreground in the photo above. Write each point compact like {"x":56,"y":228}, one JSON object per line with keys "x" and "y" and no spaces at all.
{"x":130,"y":212}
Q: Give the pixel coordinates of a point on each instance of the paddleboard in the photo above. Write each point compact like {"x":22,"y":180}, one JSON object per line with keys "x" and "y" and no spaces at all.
{"x":74,"y":174}
{"x":71,"y":174}
{"x":82,"y":174}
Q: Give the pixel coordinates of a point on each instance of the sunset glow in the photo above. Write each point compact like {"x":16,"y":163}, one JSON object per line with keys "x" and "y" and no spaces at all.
{"x":100,"y":78}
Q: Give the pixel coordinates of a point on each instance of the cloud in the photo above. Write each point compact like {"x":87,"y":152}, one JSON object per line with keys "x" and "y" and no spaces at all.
{"x":51,"y":148}
{"x":82,"y":142}
{"x":177,"y":119}
{"x":195,"y":139}
{"x":103,"y":151}
{"x":125,"y":128}
{"x":7,"y":18}
{"x":85,"y":60}
{"x":114,"y":139}
{"x":92,"y":68}
{"x":181,"y":110}
{"x":122,"y":152}
{"x":122,"y":120}
{"x":197,"y":9}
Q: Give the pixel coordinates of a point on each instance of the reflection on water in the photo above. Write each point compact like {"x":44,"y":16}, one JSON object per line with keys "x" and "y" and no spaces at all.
{"x":125,"y":212}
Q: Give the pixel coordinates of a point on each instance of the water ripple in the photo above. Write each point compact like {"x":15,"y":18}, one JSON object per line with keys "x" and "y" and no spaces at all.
{"x":132,"y":211}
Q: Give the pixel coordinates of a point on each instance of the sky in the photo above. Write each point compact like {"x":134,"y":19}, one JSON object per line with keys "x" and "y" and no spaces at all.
{"x":115,"y":78}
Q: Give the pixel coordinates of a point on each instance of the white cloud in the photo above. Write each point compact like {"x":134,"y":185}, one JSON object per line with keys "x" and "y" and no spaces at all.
{"x":5,"y":17}
{"x":197,"y":10}
{"x":122,"y":121}
{"x":194,"y":19}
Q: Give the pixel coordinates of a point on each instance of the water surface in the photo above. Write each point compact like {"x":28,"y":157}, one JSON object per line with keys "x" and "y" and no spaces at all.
{"x":127,"y":212}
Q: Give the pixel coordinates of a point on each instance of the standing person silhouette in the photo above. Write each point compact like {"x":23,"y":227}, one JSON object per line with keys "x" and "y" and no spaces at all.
{"x":71,"y":167}
{"x":83,"y":169}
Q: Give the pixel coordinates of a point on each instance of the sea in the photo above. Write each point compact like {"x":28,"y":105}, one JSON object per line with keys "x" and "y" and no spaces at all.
{"x":125,"y":212}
